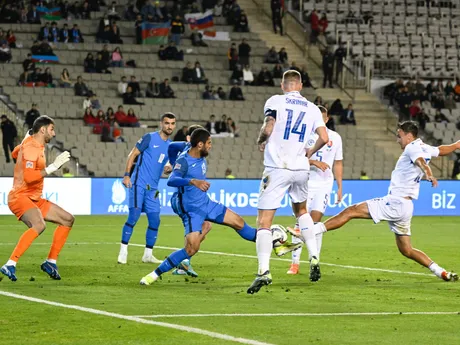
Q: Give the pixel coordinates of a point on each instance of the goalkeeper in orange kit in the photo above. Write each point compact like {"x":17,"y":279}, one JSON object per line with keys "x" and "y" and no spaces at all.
{"x":25,"y":200}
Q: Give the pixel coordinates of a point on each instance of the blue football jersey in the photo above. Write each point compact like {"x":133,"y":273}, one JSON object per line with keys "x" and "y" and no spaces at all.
{"x":151,"y":161}
{"x":175,"y":149}
{"x":190,"y":168}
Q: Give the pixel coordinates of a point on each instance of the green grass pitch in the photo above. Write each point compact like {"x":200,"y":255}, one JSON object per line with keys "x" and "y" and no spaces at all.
{"x":93,"y":279}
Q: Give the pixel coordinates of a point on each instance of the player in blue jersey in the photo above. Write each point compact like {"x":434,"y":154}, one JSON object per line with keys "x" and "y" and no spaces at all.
{"x":149,"y":158}
{"x":194,"y":206}
{"x":174,"y":151}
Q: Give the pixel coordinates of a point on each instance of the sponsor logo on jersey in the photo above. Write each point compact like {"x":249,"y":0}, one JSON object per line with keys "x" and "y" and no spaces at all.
{"x":30,"y":165}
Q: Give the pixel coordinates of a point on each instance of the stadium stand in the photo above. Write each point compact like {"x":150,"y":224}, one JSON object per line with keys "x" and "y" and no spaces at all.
{"x":367,"y":144}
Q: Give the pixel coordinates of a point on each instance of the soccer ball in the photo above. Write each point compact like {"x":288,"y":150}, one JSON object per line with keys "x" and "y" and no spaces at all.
{"x":279,"y":235}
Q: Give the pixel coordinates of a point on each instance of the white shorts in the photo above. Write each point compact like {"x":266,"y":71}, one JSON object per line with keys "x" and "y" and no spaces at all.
{"x":318,"y":197}
{"x":276,"y":182}
{"x":394,"y":209}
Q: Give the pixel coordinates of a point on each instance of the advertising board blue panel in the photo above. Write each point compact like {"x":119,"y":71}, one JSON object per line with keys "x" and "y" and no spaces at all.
{"x":109,"y":196}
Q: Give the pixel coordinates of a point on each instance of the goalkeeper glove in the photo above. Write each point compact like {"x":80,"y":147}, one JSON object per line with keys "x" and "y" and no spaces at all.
{"x":60,"y":160}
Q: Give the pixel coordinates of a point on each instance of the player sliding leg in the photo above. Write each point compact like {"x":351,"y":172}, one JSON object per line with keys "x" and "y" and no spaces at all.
{"x":401,"y":229}
{"x":145,"y":164}
{"x":397,"y":206}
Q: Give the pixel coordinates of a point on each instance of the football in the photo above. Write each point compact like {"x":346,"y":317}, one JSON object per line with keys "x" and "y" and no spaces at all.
{"x":279,"y":235}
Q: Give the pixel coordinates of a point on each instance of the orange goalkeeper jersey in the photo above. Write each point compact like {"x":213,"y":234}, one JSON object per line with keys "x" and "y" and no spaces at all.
{"x":28,"y":181}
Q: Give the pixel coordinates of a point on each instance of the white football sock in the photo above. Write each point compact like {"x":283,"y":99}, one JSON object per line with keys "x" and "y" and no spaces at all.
{"x":153,"y":275}
{"x":436,"y":269}
{"x":148,"y":252}
{"x":11,"y":263}
{"x":123,"y":248}
{"x":306,"y":228}
{"x":319,"y":228}
{"x":264,"y":246}
{"x":51,"y":261}
{"x":319,"y":243}
{"x":296,"y":253}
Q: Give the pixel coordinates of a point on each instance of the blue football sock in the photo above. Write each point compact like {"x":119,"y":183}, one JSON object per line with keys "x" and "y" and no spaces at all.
{"x":133,"y":217}
{"x":172,"y":261}
{"x":248,"y":233}
{"x":150,"y":237}
{"x":152,"y":231}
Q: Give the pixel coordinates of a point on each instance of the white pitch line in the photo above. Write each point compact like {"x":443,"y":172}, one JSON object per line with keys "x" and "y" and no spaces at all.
{"x":248,"y":257}
{"x":137,"y":319}
{"x":302,"y":314}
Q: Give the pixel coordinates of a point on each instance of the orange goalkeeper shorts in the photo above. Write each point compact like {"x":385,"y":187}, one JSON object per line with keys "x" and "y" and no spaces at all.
{"x":21,"y":204}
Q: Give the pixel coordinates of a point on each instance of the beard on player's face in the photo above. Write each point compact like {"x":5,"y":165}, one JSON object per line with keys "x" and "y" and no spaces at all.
{"x":204,"y":152}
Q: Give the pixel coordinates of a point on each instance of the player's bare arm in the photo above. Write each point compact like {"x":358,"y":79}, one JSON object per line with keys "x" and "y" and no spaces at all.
{"x":422,"y":164}
{"x":200,"y":184}
{"x":323,"y":166}
{"x":129,"y":164}
{"x":322,"y":140}
{"x":338,"y":173}
{"x":167,"y":169}
{"x":265,"y":131}
{"x":445,"y":150}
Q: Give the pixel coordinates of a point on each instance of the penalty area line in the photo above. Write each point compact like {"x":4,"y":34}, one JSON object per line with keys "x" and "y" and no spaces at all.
{"x":136,"y":319}
{"x":384,"y":270}
{"x":389,"y":313}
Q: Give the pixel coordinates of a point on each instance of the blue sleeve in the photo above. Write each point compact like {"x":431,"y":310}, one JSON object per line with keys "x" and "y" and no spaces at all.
{"x":144,"y":142}
{"x":177,"y":179}
{"x":174,"y":149}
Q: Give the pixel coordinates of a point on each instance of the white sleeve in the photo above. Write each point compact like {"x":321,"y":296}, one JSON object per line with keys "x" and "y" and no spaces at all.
{"x":434,"y":151}
{"x":317,"y":118}
{"x":270,"y":107}
{"x":339,"y":152}
{"x":414,"y":152}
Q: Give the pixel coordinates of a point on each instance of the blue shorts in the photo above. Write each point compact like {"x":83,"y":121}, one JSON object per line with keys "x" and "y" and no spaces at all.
{"x":193,"y":221}
{"x":146,"y":200}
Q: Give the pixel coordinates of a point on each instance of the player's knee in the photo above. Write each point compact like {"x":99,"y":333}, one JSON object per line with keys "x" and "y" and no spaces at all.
{"x":405,"y":250}
{"x":192,"y":248}
{"x":68,"y":220}
{"x":39,"y":225}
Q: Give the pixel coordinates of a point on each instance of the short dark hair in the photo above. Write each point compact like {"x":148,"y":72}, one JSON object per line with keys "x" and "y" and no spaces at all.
{"x":42,"y":121}
{"x":409,"y":127}
{"x":323,"y":109}
{"x":168,"y":116}
{"x":199,"y":135}
{"x":192,"y":128}
{"x":292,"y":75}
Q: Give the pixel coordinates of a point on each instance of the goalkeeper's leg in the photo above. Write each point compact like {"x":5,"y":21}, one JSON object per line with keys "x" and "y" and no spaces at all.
{"x":55,"y":214}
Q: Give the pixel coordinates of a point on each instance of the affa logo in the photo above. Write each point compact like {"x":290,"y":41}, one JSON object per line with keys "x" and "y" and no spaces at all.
{"x":118,"y":197}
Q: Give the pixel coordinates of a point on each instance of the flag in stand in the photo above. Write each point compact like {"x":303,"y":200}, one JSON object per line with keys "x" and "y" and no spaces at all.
{"x":45,"y":59}
{"x":202,"y":22}
{"x":50,"y":13}
{"x":155,"y":33}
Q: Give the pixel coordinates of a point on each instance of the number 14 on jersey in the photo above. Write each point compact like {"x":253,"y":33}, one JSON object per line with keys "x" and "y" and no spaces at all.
{"x":298,"y":123}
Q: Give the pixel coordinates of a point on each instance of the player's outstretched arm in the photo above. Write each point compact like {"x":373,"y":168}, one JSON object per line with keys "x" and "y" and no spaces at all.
{"x":266,"y":131}
{"x":422,"y":164}
{"x":445,"y":150}
{"x":323,"y":138}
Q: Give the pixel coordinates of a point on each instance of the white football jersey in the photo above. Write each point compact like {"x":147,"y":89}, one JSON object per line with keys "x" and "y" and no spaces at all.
{"x":405,"y":178}
{"x":296,"y":118}
{"x":328,"y":154}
